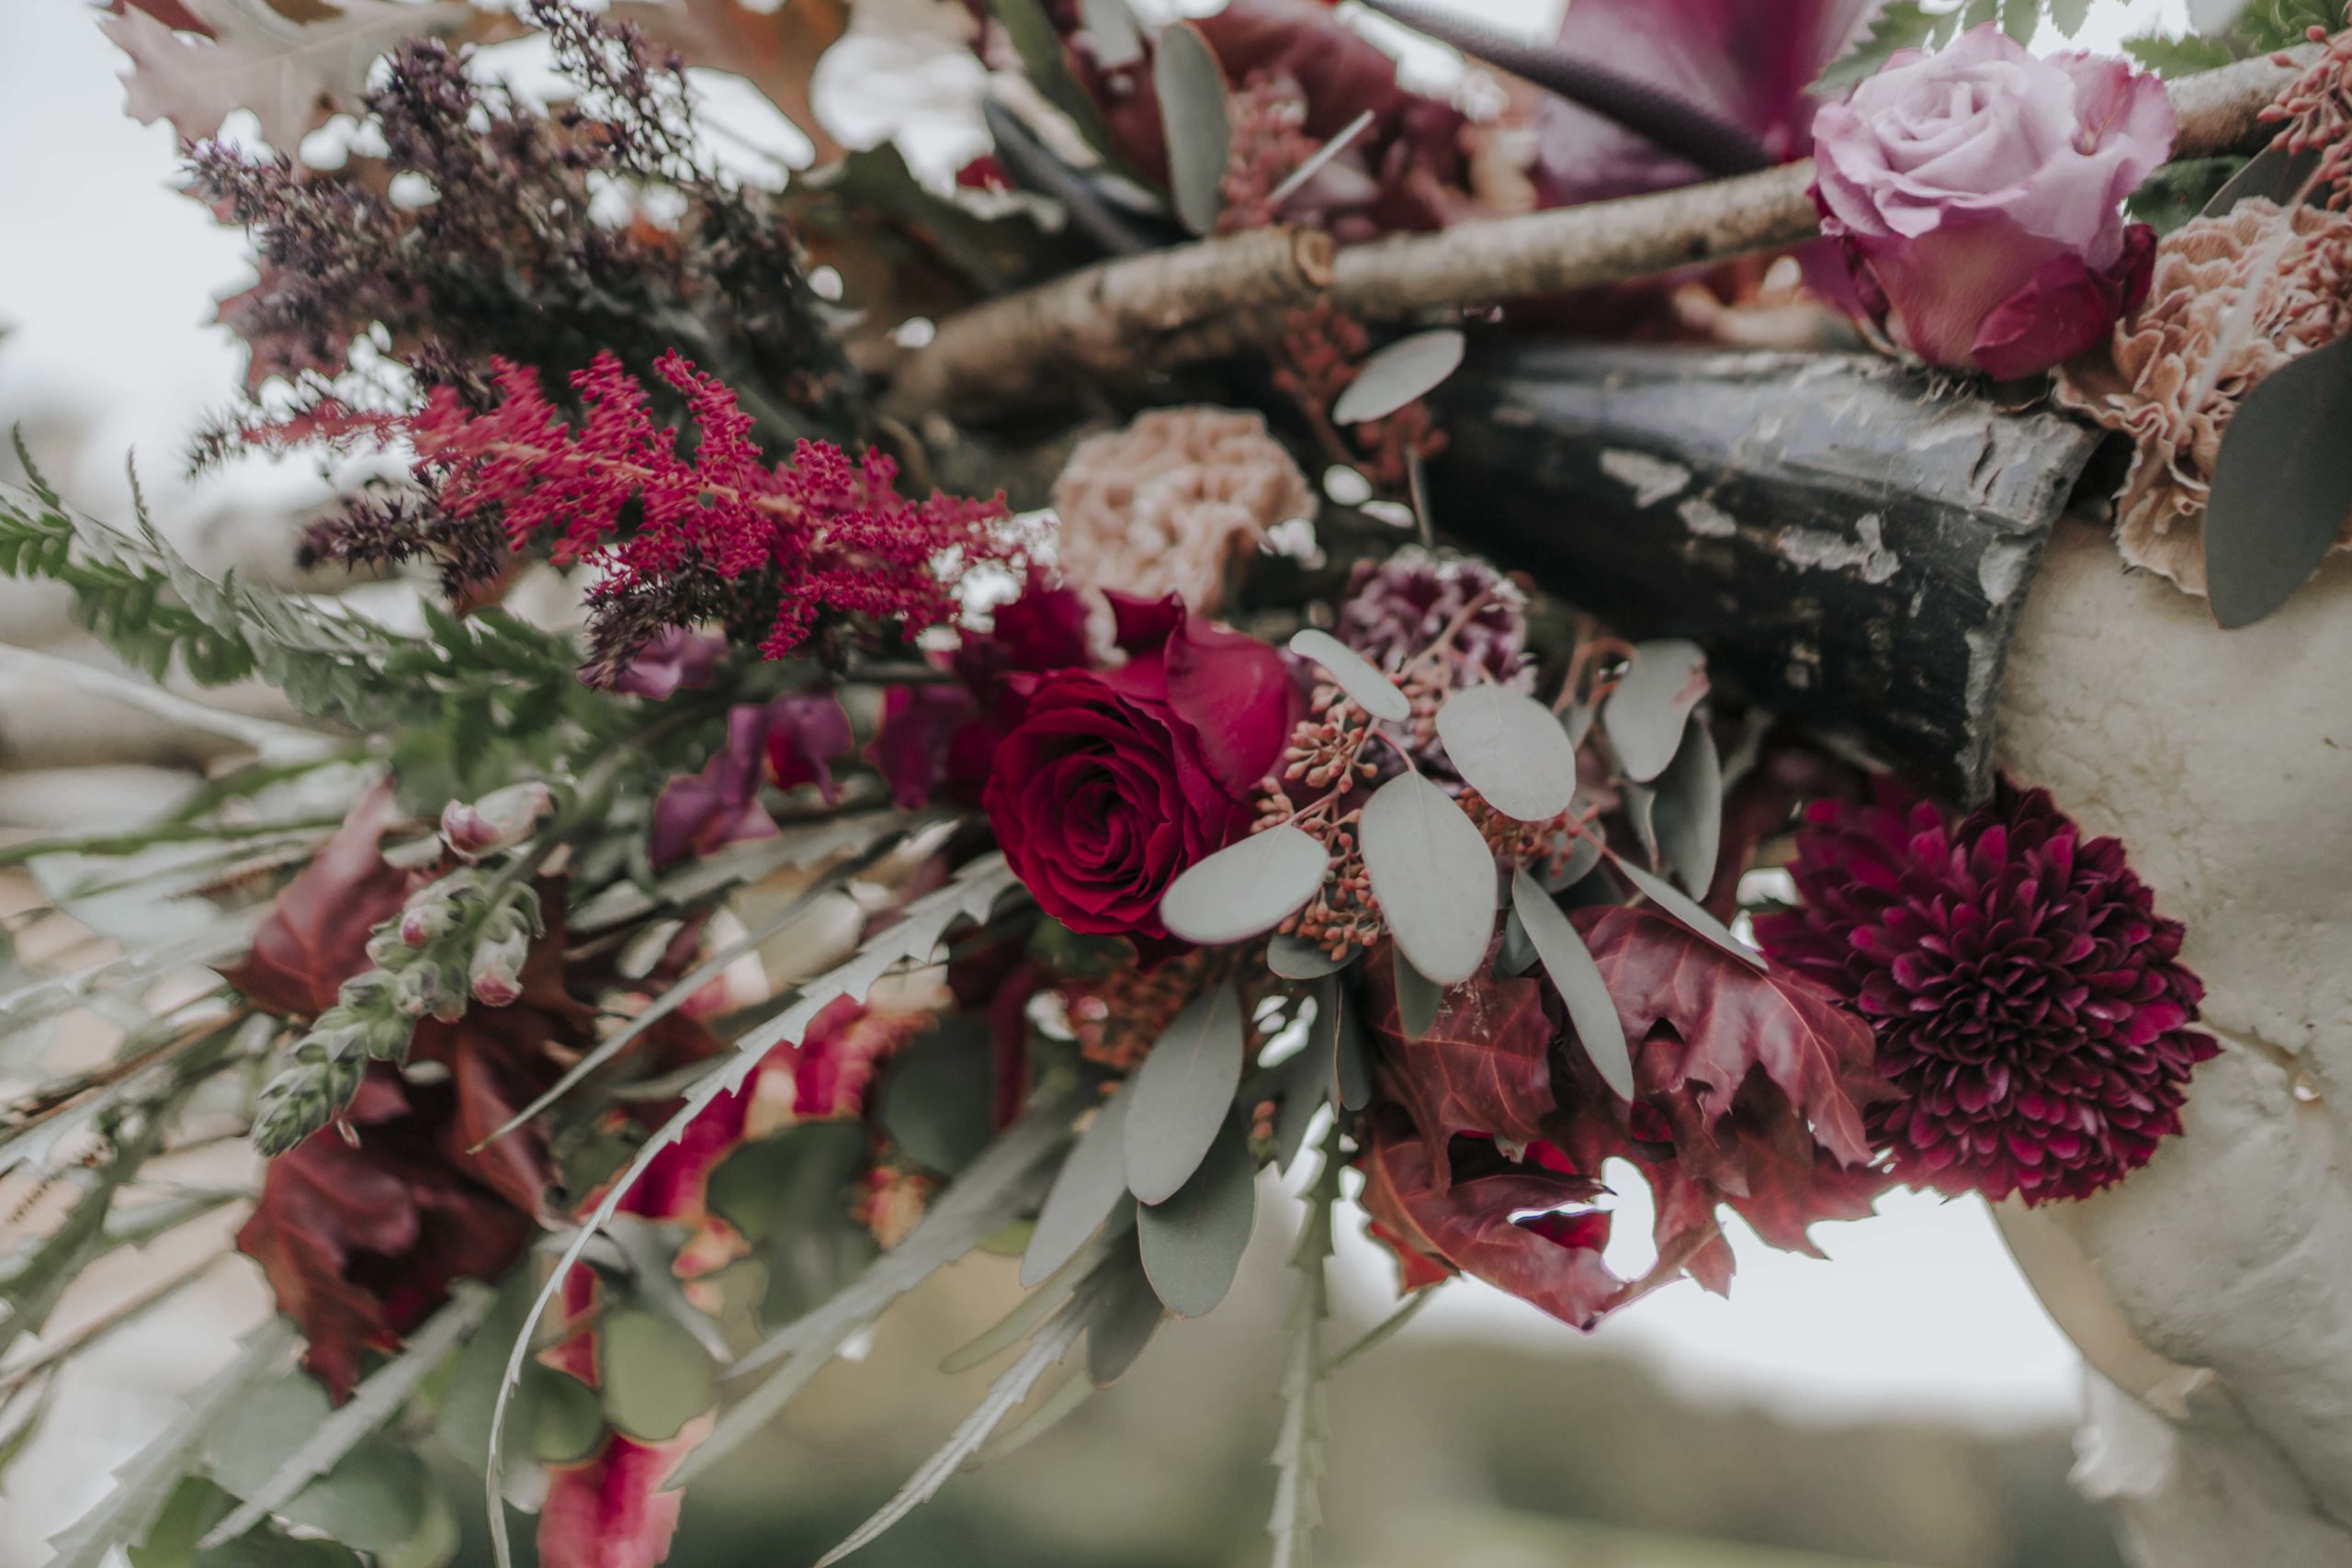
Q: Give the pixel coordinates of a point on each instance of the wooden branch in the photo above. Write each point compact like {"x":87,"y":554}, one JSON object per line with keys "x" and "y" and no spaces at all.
{"x":1214,"y":298}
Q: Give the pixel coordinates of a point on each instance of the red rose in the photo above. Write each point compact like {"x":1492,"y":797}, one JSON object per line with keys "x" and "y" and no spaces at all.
{"x":1116,"y":780}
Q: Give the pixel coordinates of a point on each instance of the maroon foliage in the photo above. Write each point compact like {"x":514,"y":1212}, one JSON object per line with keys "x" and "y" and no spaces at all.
{"x":315,"y":936}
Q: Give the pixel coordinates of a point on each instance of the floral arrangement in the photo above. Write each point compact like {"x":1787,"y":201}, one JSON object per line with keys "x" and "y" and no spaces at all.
{"x":627,"y":1009}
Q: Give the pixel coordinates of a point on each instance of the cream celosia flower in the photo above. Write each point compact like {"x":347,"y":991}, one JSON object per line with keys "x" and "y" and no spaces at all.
{"x":1174,"y":503}
{"x":2157,"y":381}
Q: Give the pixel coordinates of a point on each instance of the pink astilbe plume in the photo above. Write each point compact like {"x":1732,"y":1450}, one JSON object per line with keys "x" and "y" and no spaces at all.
{"x":772,"y":546}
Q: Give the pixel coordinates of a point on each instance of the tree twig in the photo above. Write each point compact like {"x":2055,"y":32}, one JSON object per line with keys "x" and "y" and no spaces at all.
{"x":1211,"y":299}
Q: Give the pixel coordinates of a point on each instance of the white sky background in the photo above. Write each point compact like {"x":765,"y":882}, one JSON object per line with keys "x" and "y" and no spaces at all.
{"x":106,"y":279}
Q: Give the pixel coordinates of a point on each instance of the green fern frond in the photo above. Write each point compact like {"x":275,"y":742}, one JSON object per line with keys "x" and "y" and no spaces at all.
{"x":158,"y":612}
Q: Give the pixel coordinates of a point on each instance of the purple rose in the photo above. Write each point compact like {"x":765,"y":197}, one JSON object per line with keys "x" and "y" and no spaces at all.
{"x":1979,"y":193}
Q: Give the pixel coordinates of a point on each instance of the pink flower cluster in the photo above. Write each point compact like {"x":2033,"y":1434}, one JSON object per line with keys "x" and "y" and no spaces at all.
{"x":834,"y":535}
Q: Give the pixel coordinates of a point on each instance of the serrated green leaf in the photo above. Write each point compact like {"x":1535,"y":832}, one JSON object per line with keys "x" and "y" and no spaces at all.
{"x":1011,"y":1387}
{"x":376,"y":1401}
{"x":1306,"y":1426}
{"x":143,"y":1483}
{"x":994,"y":1190}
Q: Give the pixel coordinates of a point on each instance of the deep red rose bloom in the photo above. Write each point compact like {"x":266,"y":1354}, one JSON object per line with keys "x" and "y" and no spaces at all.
{"x":2028,"y":1003}
{"x":1115,"y":781}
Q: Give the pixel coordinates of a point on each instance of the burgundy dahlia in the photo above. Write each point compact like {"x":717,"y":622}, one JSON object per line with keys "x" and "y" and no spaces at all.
{"x":2028,"y":1003}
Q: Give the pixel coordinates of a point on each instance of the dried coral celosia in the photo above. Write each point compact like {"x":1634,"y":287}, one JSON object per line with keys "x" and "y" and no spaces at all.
{"x":1174,"y":504}
{"x":2159,"y":380}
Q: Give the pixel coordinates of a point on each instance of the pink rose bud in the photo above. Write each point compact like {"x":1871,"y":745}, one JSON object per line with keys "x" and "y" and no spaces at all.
{"x":496,"y":820}
{"x":1979,"y":193}
{"x":497,"y":974}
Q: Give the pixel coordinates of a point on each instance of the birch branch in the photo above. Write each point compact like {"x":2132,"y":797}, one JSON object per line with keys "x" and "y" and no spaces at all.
{"x":1204,"y":300}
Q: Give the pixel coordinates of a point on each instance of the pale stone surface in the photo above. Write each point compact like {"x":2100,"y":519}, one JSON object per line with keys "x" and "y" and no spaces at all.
{"x":2223,"y":760}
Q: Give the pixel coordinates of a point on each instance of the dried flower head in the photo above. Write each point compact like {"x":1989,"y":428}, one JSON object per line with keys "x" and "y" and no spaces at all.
{"x":2028,"y":1003}
{"x":2158,"y":383}
{"x":1395,"y":609}
{"x":1174,"y":504}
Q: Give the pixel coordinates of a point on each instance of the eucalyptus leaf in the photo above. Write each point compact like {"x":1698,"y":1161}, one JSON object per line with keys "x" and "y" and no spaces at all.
{"x":1398,"y":373}
{"x":1248,"y":887}
{"x":1512,"y":750}
{"x":1295,"y":958}
{"x":1418,"y":998}
{"x":1433,"y":875}
{"x":1356,"y":675}
{"x":1687,"y":814}
{"x":1577,"y":979}
{"x":1192,"y":1245}
{"x":1123,"y":1321}
{"x":1112,"y":32}
{"x":1093,"y":1179}
{"x":1182,"y":1093}
{"x":935,"y":1098}
{"x":653,"y":1377}
{"x":2282,"y":485}
{"x":1644,"y":715}
{"x":787,"y":1180}
{"x":1675,"y":902}
{"x":1197,"y":122}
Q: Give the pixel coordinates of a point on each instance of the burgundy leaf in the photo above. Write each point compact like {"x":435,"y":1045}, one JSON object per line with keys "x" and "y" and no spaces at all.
{"x":1551,"y":1258}
{"x":315,"y":936}
{"x":1482,"y":1068}
{"x":1706,"y":1021}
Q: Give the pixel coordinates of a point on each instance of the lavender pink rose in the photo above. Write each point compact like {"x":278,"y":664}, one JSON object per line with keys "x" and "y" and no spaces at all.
{"x":1979,"y":191}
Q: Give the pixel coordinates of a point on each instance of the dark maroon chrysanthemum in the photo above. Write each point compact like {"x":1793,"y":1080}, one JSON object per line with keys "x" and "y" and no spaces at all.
{"x":2028,"y":1001}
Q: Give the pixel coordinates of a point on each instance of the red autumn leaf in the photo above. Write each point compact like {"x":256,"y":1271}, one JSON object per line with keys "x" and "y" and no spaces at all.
{"x":315,"y":936}
{"x":359,"y":1243}
{"x":1706,"y":1021}
{"x":1482,"y":1068}
{"x":1550,"y":1258}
